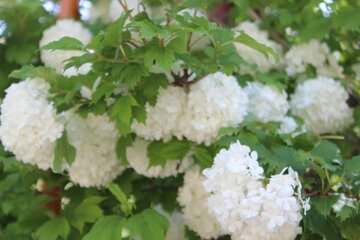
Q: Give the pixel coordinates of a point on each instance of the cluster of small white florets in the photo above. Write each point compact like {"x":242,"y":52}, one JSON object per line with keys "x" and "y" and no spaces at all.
{"x":176,"y":230}
{"x":244,"y":207}
{"x":321,"y":103}
{"x":62,"y":28}
{"x":94,"y":139}
{"x":288,"y":125}
{"x":29,"y":123}
{"x":214,"y":102}
{"x":251,"y":55}
{"x":193,"y":199}
{"x":163,"y":119}
{"x":266,"y":102}
{"x":139,"y":161}
{"x":313,"y":53}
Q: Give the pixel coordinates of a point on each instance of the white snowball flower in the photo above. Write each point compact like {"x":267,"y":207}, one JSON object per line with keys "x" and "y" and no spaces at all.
{"x":246,"y":208}
{"x":253,"y":56}
{"x":162,"y":120}
{"x":266,"y":102}
{"x":176,"y":230}
{"x":94,"y":138}
{"x":29,"y":123}
{"x":214,"y":102}
{"x":313,"y":53}
{"x":62,"y":28}
{"x":321,"y":103}
{"x":193,"y":199}
{"x":139,"y":161}
{"x":100,"y":10}
{"x":288,"y":125}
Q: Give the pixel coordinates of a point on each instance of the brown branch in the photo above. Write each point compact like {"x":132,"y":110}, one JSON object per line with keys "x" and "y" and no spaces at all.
{"x":69,"y":9}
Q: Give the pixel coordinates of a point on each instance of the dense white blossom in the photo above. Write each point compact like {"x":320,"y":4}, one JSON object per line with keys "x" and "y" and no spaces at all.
{"x":163,"y":119}
{"x":246,"y":208}
{"x":288,"y":125}
{"x":139,"y":161}
{"x":29,"y":123}
{"x":321,"y":103}
{"x":253,"y":56}
{"x":176,"y":230}
{"x":94,"y":138}
{"x":313,"y":53}
{"x":214,"y":102}
{"x":193,"y":199}
{"x":266,"y":102}
{"x":62,"y":28}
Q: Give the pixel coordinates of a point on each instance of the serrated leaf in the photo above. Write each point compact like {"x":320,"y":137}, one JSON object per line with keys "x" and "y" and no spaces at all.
{"x":149,"y":225}
{"x":150,"y":87}
{"x":113,"y":34}
{"x":63,"y":151}
{"x":51,"y":230}
{"x":323,"y":204}
{"x":252,"y":43}
{"x":88,"y":211}
{"x":121,"y":145}
{"x":121,"y":111}
{"x":324,"y":227}
{"x":126,"y":204}
{"x":203,"y":157}
{"x":22,"y":72}
{"x":159,"y":152}
{"x":65,"y":43}
{"x":107,"y":228}
{"x":352,"y":165}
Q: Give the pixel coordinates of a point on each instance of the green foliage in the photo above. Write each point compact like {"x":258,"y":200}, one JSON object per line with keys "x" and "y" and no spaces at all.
{"x":53,"y":229}
{"x":63,"y":151}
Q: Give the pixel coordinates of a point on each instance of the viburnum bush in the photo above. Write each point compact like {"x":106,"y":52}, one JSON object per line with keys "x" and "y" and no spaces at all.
{"x":180,"y":119}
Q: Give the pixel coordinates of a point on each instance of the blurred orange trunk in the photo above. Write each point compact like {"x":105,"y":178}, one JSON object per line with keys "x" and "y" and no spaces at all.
{"x":69,"y":9}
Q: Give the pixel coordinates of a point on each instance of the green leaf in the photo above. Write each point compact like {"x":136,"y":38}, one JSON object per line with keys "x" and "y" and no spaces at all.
{"x":126,"y":204}
{"x":63,"y":151}
{"x":352,"y":165}
{"x":322,"y":226}
{"x":203,"y":156}
{"x":121,"y":145}
{"x":51,"y":230}
{"x":252,"y":43}
{"x":114,"y":34}
{"x":147,"y":29}
{"x":121,"y":111}
{"x":148,"y":224}
{"x":21,"y":73}
{"x":150,"y":87}
{"x":323,"y":204}
{"x":159,"y":152}
{"x":107,"y":228}
{"x":65,"y":43}
{"x":88,"y":211}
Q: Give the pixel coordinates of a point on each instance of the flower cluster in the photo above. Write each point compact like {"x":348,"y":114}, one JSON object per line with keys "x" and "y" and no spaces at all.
{"x":138,"y":160}
{"x":246,"y":208}
{"x":251,"y":55}
{"x":62,"y":28}
{"x":214,"y":102}
{"x":313,"y":53}
{"x":193,"y":197}
{"x":321,"y":103}
{"x":29,"y":123}
{"x":266,"y":102}
{"x":94,"y":139}
{"x":163,"y":119}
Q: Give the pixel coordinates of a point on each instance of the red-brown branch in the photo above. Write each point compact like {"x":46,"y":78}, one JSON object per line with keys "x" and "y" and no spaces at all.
{"x":69,"y":9}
